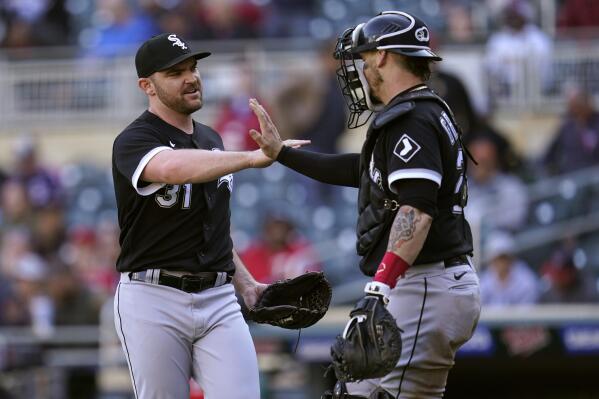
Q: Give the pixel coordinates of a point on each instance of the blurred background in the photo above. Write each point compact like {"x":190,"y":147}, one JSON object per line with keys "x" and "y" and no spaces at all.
{"x":521,"y":76}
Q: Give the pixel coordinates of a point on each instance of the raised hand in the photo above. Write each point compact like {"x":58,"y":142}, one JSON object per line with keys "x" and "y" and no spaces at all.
{"x":259,"y":159}
{"x":269,"y":139}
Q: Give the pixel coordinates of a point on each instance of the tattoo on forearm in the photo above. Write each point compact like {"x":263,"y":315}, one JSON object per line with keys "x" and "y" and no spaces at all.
{"x":403,"y":228}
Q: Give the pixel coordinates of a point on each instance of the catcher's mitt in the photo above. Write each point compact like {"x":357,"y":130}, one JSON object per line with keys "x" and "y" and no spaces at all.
{"x":370,"y":345}
{"x":293,"y":303}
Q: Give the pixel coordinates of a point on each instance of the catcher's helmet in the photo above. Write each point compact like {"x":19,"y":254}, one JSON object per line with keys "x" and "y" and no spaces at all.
{"x":394,"y":31}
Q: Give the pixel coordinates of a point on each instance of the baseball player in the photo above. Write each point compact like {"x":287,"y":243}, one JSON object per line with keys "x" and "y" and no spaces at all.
{"x":411,"y":230}
{"x":175,"y":309}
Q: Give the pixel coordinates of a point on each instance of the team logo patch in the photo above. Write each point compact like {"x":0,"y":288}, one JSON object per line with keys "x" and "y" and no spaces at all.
{"x":226,"y":179}
{"x":176,"y":41}
{"x":422,"y":34}
{"x":406,"y":148}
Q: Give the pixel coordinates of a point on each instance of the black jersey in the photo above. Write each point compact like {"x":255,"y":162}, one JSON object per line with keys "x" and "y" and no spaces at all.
{"x":424,"y":144}
{"x":177,"y":227}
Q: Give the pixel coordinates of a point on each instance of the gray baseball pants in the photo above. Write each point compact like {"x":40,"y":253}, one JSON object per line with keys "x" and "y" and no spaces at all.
{"x":170,"y":336}
{"x":438,"y":309}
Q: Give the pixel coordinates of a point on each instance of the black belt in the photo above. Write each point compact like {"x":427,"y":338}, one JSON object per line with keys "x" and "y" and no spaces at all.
{"x":459,"y":260}
{"x":191,"y":283}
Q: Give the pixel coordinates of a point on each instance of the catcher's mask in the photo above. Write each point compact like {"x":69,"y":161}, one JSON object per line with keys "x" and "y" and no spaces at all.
{"x":394,"y":31}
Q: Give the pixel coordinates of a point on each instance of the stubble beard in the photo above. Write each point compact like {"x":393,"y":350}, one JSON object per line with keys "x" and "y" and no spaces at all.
{"x":376,"y":82}
{"x":178,"y":103}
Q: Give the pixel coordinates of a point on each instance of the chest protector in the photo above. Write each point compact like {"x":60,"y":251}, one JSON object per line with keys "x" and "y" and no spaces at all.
{"x":376,"y":210}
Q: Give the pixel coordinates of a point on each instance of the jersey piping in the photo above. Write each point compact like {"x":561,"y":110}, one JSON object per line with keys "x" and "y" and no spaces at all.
{"x":416,"y":173}
{"x":153,"y":187}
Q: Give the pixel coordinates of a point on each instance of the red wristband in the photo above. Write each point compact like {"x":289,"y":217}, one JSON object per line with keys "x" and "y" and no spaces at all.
{"x":392,"y":266}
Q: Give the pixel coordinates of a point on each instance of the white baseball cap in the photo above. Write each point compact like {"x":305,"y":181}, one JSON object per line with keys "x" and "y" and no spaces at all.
{"x":499,"y":243}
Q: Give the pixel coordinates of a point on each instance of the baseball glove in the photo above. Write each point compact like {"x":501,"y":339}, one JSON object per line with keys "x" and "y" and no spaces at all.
{"x":293,"y":303}
{"x":370,"y":345}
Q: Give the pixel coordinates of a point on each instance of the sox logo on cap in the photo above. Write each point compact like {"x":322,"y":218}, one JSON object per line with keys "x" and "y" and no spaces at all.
{"x":177,"y":42}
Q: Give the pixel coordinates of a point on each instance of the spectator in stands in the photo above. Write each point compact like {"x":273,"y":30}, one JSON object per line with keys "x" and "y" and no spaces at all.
{"x":576,"y":143}
{"x":73,"y":303}
{"x":566,"y":281}
{"x":314,"y":109}
{"x":175,"y":17}
{"x":329,"y":120}
{"x":459,"y":22}
{"x":506,"y":279}
{"x":26,"y":274}
{"x":18,"y":34}
{"x":15,"y":245}
{"x":228,"y":19}
{"x":13,"y":312}
{"x":29,"y":276}
{"x":15,"y":209}
{"x":496,"y":199}
{"x":451,"y":88}
{"x":235,"y":119}
{"x":519,"y":53}
{"x":42,"y":186}
{"x":296,"y":105}
{"x":48,"y":231}
{"x":35,"y":23}
{"x":289,"y":18}
{"x":120,"y":28}
{"x":13,"y":248}
{"x":509,"y":161}
{"x":108,"y":249}
{"x":578,"y":14}
{"x":81,"y":255}
{"x":280,"y":252}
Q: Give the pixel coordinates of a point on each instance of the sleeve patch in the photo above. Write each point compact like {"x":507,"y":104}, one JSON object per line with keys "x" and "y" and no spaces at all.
{"x":406,"y":148}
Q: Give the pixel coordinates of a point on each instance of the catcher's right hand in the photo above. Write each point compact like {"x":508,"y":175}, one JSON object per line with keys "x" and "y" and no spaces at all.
{"x":370,"y":345}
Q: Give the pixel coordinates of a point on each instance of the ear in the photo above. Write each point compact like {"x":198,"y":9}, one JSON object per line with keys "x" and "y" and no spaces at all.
{"x":146,"y":86}
{"x":382,"y":56}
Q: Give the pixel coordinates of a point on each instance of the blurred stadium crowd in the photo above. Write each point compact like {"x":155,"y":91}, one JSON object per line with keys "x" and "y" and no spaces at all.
{"x":529,"y":116}
{"x":534,"y":216}
{"x":111,"y":27}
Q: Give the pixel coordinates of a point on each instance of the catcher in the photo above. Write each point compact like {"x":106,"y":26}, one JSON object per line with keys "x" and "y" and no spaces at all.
{"x":412,"y":234}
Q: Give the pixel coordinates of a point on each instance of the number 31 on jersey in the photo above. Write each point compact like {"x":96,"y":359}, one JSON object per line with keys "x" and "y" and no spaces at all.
{"x":171,"y":195}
